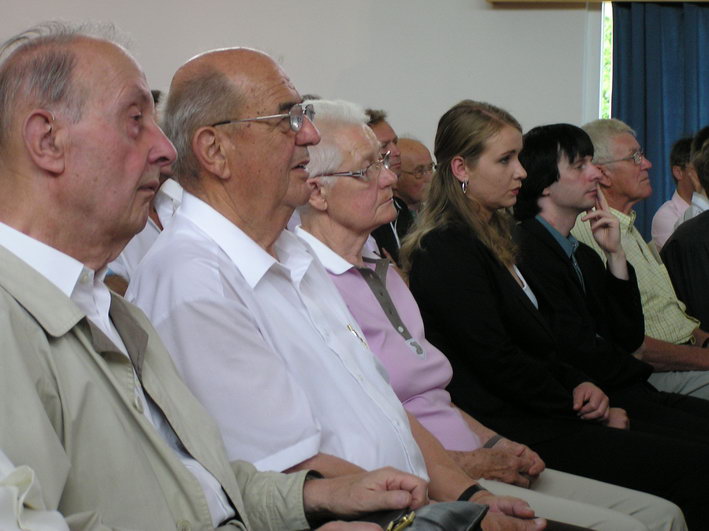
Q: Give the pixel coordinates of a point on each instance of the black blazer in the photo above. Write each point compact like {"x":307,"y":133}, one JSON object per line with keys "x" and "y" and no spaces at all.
{"x":686,"y":255}
{"x":596,"y":329}
{"x":384,"y":235}
{"x":506,"y":371}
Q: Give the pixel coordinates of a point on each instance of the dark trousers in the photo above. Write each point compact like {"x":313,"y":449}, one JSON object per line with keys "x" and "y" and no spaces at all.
{"x":649,"y":461}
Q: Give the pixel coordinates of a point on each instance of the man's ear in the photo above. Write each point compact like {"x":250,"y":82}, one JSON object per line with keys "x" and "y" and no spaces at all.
{"x":678,"y":172}
{"x":210,"y":152}
{"x":460,"y":169}
{"x":45,"y":141}
{"x":318,"y":197}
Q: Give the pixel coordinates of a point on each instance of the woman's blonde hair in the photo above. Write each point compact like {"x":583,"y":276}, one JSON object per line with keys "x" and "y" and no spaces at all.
{"x":464,"y":130}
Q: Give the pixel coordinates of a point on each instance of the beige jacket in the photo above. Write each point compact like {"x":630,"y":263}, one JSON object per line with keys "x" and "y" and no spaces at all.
{"x":68,"y":410}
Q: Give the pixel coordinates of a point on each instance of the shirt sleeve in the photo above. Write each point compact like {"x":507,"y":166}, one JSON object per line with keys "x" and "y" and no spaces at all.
{"x":21,"y":503}
{"x":263,"y":415}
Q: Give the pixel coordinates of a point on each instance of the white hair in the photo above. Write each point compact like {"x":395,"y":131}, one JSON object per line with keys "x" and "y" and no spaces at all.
{"x":330,"y":117}
{"x":602,"y":133}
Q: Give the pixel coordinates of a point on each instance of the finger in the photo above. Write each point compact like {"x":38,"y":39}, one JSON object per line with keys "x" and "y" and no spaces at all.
{"x":579,"y":399}
{"x":601,"y":198}
{"x":587,"y":409}
{"x":414,"y":487}
{"x":521,"y":480}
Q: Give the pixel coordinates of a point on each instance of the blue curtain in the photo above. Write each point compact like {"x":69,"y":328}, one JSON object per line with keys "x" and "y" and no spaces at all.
{"x":660,"y":83}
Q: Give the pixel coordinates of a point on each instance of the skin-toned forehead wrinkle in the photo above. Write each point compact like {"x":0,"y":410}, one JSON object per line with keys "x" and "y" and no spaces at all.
{"x":37,"y":67}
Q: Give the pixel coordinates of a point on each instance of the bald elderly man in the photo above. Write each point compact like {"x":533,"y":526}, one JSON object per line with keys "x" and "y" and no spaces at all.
{"x":416,"y":173}
{"x":249,"y":313}
{"x":90,"y":398}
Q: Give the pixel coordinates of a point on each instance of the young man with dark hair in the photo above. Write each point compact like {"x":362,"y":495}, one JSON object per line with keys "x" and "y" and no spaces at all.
{"x":594,"y":311}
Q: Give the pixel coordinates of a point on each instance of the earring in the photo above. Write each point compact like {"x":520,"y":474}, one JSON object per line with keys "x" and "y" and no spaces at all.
{"x":464,"y":186}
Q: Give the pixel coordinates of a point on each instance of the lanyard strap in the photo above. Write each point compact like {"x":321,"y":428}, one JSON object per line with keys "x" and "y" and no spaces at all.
{"x":376,"y":280}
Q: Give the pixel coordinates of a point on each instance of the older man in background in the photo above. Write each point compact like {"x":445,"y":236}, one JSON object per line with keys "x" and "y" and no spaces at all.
{"x":673,"y":338}
{"x":416,"y":172}
{"x":389,"y":235}
{"x":666,"y":217}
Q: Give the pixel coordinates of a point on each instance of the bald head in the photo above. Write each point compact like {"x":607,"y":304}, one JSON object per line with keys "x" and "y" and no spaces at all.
{"x":416,"y":172}
{"x":209,"y":88}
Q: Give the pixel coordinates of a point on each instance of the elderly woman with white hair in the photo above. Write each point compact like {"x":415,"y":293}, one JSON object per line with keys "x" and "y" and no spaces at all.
{"x":352,"y":195}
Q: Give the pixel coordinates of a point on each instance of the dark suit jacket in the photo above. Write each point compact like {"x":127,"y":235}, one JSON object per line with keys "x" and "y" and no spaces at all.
{"x":506,"y":371}
{"x":384,"y":235}
{"x":686,"y":255}
{"x":596,"y":329}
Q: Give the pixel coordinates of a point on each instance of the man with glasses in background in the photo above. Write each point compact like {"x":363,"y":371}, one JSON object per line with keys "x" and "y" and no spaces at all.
{"x":674,"y":340}
{"x":388,"y":237}
{"x":416,"y":172}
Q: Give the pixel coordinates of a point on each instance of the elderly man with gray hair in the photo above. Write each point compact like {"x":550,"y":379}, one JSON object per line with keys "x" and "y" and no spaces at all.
{"x":91,"y":401}
{"x":673,"y":338}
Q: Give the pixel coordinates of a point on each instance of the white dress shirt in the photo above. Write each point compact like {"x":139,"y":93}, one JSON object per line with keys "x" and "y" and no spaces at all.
{"x":86,"y":288}
{"x":700,"y":203}
{"x":269,"y":347}
{"x":167,"y":200}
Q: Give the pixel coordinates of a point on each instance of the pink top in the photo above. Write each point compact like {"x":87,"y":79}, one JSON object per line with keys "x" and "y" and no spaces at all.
{"x":663,"y":223}
{"x":419,"y":380}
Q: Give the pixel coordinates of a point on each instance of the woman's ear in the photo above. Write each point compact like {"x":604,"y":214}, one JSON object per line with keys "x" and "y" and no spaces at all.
{"x":318,"y":197}
{"x":45,"y":141}
{"x":460,"y":169}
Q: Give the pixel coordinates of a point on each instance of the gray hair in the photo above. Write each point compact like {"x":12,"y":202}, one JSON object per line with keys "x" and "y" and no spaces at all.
{"x":197,"y":102}
{"x":330,"y":117}
{"x":602,"y":132}
{"x":37,"y":66}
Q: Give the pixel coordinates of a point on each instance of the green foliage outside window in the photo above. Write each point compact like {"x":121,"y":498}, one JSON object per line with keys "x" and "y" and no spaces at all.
{"x":606,"y":61}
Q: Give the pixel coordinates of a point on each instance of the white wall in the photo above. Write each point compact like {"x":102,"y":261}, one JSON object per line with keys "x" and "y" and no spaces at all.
{"x":414,"y":58}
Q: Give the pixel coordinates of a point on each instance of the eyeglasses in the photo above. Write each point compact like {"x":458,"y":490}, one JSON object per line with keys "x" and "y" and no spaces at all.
{"x":419,"y":172}
{"x":295,"y":116}
{"x":367,"y":174}
{"x":636,"y":157}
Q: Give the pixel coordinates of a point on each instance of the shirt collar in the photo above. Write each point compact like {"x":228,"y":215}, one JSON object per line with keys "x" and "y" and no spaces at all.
{"x":568,"y":244}
{"x":627,"y":221}
{"x":167,"y":201}
{"x":60,"y":269}
{"x":250,"y":258}
{"x":699,"y":201}
{"x":332,"y":261}
{"x":678,"y":200}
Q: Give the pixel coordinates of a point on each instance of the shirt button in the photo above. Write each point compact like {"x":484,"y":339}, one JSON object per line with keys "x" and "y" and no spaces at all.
{"x":138,"y":404}
{"x":184,"y":525}
{"x":84,"y":278}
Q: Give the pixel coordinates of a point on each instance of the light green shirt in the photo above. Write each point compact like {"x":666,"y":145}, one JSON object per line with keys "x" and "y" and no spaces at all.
{"x":665,"y":316}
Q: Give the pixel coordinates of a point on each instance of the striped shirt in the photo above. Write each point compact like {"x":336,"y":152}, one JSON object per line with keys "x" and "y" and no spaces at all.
{"x":665,"y":316}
